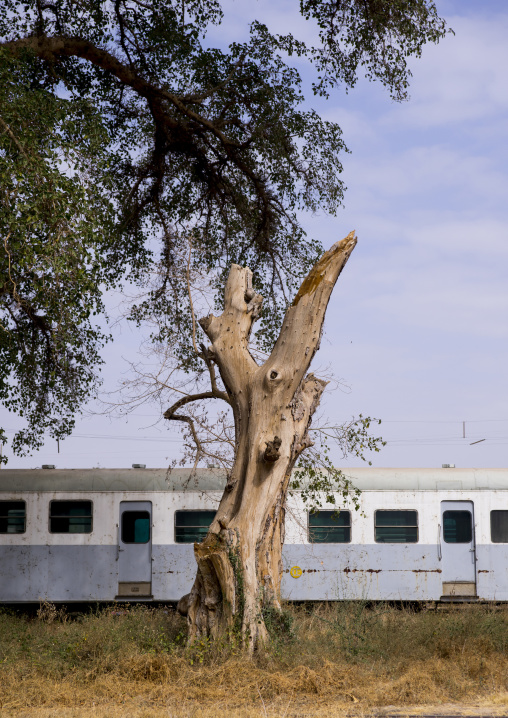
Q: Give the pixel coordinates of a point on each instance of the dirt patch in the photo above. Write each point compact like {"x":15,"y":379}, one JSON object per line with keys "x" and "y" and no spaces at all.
{"x":287,"y":708}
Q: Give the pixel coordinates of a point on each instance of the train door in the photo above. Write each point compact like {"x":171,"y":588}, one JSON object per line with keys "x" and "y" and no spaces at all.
{"x":458,"y":549}
{"x":135,"y":549}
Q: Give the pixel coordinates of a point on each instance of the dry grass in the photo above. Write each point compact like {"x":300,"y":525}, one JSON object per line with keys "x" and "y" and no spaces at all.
{"x":340,"y":659}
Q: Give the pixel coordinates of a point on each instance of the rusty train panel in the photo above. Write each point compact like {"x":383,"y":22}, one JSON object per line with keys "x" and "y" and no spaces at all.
{"x":139,"y":557}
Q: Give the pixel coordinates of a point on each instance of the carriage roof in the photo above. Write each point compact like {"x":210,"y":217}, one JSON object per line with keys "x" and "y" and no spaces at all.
{"x":365,"y":478}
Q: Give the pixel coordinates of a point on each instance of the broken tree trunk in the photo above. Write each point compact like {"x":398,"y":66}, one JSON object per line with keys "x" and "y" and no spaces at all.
{"x":239,"y":562}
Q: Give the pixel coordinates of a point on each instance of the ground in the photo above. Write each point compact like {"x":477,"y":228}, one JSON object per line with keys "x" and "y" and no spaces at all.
{"x":341,"y":659}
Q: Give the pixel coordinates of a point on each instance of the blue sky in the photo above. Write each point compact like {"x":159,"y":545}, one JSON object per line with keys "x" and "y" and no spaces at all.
{"x":417,"y":328}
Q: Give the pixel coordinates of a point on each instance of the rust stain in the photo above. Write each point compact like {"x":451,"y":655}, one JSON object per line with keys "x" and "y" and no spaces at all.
{"x":370,"y":570}
{"x":483,"y":571}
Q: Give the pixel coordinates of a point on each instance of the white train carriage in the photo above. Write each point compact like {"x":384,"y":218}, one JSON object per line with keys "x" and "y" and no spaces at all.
{"x":127,"y":534}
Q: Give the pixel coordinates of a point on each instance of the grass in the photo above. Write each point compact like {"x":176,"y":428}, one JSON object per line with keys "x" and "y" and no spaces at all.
{"x":334,"y":659}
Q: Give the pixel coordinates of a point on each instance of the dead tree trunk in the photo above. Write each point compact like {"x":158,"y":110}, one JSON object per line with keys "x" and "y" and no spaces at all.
{"x":239,"y":562}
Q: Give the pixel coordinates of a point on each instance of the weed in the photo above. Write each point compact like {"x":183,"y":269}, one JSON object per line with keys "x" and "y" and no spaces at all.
{"x":279,"y":623}
{"x":346,"y":652}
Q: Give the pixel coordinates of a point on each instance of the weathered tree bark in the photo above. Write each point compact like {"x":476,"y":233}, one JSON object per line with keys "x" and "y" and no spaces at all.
{"x":239,"y":562}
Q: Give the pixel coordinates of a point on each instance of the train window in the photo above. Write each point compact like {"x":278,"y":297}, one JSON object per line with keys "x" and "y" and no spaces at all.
{"x":330,"y":527}
{"x":12,"y":517}
{"x":136,"y":527}
{"x":192,"y":526}
{"x":457,"y":527}
{"x":499,"y":526}
{"x":396,"y":526}
{"x":70,"y":517}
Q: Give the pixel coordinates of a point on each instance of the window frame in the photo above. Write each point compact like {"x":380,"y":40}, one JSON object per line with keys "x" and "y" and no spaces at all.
{"x":136,"y":511}
{"x":6,"y":516}
{"x":417,"y":526}
{"x":471,"y":527}
{"x":328,"y":511}
{"x":496,"y":511}
{"x":70,"y":501}
{"x":190,"y":511}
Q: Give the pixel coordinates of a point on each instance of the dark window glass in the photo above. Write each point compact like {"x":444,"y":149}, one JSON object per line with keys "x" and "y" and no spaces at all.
{"x":136,"y":526}
{"x":396,"y":526}
{"x":457,"y":526}
{"x":70,"y":517}
{"x":12,"y":517}
{"x":499,"y":526}
{"x":330,"y":527}
{"x":192,"y":526}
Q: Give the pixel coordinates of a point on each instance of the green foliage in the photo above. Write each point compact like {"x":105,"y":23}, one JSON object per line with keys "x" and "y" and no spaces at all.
{"x":53,"y":220}
{"x":236,"y":563}
{"x":3,"y":441}
{"x":123,"y":134}
{"x":315,"y":476}
{"x":98,"y":642}
{"x":376,"y":35}
{"x":57,"y":251}
{"x":362,"y":631}
{"x":280,"y":624}
{"x":352,"y":621}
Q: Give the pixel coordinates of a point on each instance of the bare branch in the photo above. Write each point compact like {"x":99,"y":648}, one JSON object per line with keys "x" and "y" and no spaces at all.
{"x":193,"y":316}
{"x":190,"y":422}
{"x":169,"y":413}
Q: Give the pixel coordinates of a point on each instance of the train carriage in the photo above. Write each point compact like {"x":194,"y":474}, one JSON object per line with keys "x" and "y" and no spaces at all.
{"x":127,"y":534}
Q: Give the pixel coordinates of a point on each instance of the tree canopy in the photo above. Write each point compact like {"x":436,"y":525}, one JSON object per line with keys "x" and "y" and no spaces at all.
{"x":125,"y":135}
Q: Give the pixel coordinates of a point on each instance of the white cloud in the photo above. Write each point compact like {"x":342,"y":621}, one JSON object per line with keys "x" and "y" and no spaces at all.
{"x":463,"y":78}
{"x":282,"y":16}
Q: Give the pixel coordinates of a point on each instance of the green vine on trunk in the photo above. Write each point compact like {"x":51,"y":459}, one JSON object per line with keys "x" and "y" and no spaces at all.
{"x":236,"y":564}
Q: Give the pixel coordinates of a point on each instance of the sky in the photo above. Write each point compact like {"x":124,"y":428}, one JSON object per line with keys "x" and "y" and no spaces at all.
{"x":417,"y":328}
